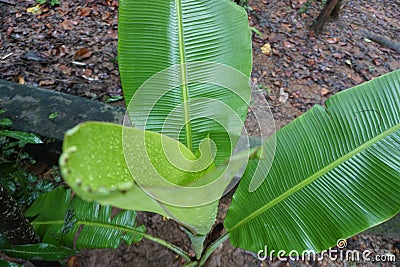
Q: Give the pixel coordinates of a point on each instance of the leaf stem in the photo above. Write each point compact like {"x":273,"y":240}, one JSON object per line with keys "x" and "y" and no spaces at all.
{"x":212,"y":248}
{"x":184,"y":82}
{"x":170,"y":246}
{"x":160,"y":241}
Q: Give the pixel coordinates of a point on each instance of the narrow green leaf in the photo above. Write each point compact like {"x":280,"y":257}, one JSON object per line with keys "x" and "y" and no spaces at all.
{"x":41,"y":251}
{"x":25,"y":137}
{"x":4,"y":243}
{"x":113,"y":98}
{"x":5,"y":122}
{"x":9,"y":264}
{"x":197,"y":242}
{"x":53,"y":115}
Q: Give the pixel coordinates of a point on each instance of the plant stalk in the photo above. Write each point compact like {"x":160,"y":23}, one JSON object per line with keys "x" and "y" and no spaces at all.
{"x":212,"y":248}
{"x":184,"y":81}
{"x":160,"y":241}
{"x":170,"y":246}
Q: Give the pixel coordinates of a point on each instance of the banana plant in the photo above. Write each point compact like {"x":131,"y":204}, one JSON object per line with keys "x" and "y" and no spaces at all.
{"x":336,"y":172}
{"x":184,"y":67}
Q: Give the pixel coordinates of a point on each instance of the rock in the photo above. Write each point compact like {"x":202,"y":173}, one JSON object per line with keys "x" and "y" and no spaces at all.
{"x":50,"y":113}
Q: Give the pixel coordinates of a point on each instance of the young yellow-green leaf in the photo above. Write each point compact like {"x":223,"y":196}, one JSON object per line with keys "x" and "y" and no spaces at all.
{"x":94,"y":165}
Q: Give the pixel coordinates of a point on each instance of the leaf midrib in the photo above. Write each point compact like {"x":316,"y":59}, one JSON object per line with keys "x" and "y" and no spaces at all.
{"x":317,"y":175}
{"x":182,"y":62}
{"x":94,"y":224}
{"x":15,"y":249}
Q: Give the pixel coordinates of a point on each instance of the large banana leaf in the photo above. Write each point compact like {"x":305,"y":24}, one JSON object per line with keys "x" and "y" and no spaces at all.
{"x":40,"y":251}
{"x":34,"y":251}
{"x":58,"y":218}
{"x":198,"y":56}
{"x":336,"y":173}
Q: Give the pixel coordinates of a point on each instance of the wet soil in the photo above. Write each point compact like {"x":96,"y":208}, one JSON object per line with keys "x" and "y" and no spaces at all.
{"x":72,"y":48}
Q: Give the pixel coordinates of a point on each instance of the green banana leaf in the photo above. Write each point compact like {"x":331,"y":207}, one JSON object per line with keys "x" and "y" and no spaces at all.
{"x":25,"y":138}
{"x":336,"y":173}
{"x":61,"y":226}
{"x":9,"y":264}
{"x":186,"y":62}
{"x":185,"y":68}
{"x":41,"y":251}
{"x":93,"y":164}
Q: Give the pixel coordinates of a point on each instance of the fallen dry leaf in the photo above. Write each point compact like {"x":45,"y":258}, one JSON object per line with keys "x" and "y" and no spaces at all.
{"x":10,"y":30}
{"x":287,"y":27}
{"x":112,"y":34}
{"x":332,"y":40}
{"x":311,"y":61}
{"x":357,"y":78}
{"x":21,"y":80}
{"x":105,"y":16}
{"x":67,"y":25}
{"x":63,"y":50}
{"x":266,"y":49}
{"x":112,"y":3}
{"x":324,"y":91}
{"x":46,"y":82}
{"x":65,"y":69}
{"x":72,"y":262}
{"x":377,"y":62}
{"x":82,"y":53}
{"x":87,"y":72}
{"x":35,"y":10}
{"x":338,"y":55}
{"x":43,"y":11}
{"x":84,"y":12}
{"x":298,"y":4}
{"x":288,"y":44}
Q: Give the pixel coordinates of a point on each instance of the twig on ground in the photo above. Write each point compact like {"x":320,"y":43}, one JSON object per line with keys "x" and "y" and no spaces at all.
{"x":383,"y":41}
{"x":9,"y":2}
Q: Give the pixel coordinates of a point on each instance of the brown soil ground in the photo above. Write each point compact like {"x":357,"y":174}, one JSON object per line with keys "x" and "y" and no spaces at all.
{"x":72,"y":48}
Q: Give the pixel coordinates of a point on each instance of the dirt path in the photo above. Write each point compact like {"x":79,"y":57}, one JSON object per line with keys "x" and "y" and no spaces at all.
{"x":72,"y":48}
